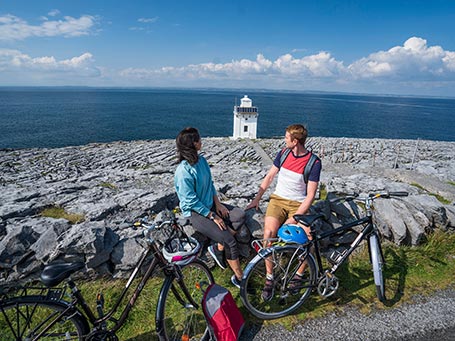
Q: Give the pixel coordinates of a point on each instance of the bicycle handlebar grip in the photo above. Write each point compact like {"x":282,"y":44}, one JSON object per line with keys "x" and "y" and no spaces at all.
{"x":399,"y":194}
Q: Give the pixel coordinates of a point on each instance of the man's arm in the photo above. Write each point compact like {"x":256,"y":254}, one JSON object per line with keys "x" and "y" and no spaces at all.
{"x":266,"y":182}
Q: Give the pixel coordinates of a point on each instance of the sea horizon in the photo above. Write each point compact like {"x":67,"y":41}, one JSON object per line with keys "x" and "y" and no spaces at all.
{"x":42,"y":116}
{"x":91,"y":87}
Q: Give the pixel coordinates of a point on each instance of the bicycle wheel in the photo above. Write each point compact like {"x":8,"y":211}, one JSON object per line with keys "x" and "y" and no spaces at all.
{"x":287,"y":296}
{"x":30,"y":317}
{"x":178,"y":318}
{"x":378,"y":265}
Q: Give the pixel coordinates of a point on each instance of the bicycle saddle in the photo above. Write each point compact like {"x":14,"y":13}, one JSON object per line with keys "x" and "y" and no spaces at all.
{"x":309,"y":219}
{"x":53,"y":274}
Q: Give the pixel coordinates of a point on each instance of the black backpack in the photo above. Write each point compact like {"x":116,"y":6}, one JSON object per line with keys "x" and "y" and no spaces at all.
{"x":308,"y":166}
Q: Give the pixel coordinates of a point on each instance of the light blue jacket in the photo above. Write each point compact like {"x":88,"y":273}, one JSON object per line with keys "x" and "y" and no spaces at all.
{"x":194,"y":187}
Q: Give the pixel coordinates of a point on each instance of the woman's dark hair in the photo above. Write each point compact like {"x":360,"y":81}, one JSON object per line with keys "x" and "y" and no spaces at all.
{"x":186,"y":149}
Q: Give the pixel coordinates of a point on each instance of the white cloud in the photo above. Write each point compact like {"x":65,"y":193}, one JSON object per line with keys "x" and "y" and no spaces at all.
{"x":414,"y":60}
{"x":415,"y":64}
{"x":148,"y":20}
{"x":143,"y":22}
{"x":15,"y":28}
{"x":53,"y":13}
{"x":449,"y":60}
{"x":414,"y":67}
{"x":321,"y":65}
{"x":16,"y":61}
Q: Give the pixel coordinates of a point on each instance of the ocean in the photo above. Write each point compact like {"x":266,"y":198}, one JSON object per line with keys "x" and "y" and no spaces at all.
{"x":58,"y":117}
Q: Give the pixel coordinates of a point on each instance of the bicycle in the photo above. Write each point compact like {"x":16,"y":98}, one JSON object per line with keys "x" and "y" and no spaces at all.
{"x":43,"y":313}
{"x":286,"y":256}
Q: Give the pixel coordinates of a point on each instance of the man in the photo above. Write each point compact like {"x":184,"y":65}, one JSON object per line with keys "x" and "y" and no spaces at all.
{"x":292,"y":194}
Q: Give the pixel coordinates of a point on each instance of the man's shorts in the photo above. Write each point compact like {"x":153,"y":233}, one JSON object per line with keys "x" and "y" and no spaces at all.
{"x":281,"y":208}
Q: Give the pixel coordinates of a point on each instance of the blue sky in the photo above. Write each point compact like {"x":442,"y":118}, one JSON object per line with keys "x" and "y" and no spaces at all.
{"x":388,"y":47}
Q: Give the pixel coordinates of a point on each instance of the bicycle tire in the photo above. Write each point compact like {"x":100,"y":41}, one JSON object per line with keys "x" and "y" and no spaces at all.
{"x":176,"y":317}
{"x":25,"y":317}
{"x":378,"y":265}
{"x":286,"y":260}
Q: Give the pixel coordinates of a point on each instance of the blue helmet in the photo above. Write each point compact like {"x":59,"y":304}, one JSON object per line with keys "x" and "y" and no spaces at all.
{"x":292,"y":234}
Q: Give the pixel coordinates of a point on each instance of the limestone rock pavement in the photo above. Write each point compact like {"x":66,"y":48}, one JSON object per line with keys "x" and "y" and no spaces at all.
{"x":111,"y":185}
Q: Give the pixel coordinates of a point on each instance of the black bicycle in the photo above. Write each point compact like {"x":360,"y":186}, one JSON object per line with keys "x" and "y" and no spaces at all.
{"x":288,"y":290}
{"x":45,"y":313}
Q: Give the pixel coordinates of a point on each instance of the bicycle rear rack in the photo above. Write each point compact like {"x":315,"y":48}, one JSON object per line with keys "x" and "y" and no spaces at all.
{"x":53,"y":294}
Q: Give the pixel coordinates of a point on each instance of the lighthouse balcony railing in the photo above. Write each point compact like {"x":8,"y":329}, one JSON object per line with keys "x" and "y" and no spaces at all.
{"x":246,"y":110}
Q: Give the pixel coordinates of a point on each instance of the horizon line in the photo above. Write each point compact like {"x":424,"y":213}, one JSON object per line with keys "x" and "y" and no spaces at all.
{"x":222,"y":89}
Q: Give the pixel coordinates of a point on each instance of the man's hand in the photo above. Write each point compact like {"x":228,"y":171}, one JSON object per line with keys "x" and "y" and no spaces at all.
{"x":291,"y":221}
{"x":253,"y":204}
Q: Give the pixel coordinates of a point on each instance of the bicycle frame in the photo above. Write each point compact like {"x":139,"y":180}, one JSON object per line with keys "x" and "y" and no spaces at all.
{"x":365,"y":233}
{"x":99,"y":323}
{"x":298,"y":268}
{"x":158,"y":261}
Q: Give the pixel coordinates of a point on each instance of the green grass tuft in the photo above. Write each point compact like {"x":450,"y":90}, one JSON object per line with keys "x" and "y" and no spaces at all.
{"x":60,"y":213}
{"x":108,"y":185}
{"x":440,"y":198}
{"x":322,"y":191}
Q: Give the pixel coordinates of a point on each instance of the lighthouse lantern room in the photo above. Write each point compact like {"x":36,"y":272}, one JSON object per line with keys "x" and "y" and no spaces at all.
{"x":245,"y":119}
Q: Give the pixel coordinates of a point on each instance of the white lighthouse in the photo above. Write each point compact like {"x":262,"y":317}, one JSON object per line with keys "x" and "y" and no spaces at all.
{"x":245,"y":119}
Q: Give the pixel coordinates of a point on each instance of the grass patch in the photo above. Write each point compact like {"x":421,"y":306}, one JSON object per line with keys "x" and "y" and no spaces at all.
{"x":415,"y":184}
{"x":60,"y":213}
{"x":143,"y":167}
{"x":451,"y":183}
{"x":322,"y":192}
{"x":440,"y":198}
{"x":141,"y":320}
{"x":108,"y":185}
{"x":409,"y":271}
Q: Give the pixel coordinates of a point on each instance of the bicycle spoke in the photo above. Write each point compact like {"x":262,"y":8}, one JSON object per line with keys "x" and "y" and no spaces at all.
{"x":180,"y":317}
{"x":26,"y":318}
{"x":286,"y":293}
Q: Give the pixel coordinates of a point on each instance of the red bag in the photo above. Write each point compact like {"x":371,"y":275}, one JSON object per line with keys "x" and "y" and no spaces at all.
{"x":223,"y":316}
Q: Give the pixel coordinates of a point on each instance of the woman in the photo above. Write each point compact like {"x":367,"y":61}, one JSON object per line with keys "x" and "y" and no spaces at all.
{"x":199,"y":202}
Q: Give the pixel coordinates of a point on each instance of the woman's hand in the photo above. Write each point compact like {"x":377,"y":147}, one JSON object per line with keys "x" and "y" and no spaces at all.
{"x":219,"y":221}
{"x":222,"y":210}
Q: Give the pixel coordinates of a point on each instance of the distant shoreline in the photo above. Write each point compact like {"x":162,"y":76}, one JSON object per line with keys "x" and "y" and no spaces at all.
{"x":236,"y":90}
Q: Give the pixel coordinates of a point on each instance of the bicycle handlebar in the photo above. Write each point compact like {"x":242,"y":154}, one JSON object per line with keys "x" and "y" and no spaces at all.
{"x":383,"y":194}
{"x":150,"y":227}
{"x":347,"y":197}
{"x":398,"y":194}
{"x":387,"y":194}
